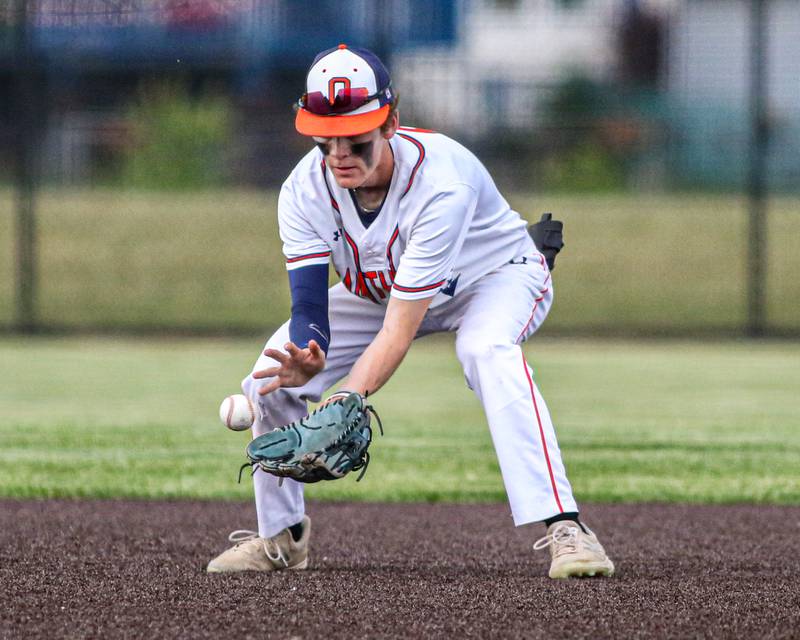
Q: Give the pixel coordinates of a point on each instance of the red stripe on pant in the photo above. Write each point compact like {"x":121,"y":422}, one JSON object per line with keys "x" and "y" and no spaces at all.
{"x":541,"y":433}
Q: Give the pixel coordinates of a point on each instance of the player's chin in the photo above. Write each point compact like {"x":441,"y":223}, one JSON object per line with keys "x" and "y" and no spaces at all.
{"x":349,"y":178}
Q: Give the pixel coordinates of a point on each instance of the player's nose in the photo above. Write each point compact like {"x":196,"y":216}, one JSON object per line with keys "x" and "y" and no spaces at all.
{"x":339,"y":148}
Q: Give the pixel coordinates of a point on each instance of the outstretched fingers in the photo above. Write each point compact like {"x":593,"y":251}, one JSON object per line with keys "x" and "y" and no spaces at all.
{"x":296,"y":366}
{"x":272,"y":385}
{"x":292,"y":349}
{"x":272,"y":372}
{"x":280,"y":356}
{"x":267,"y":373}
{"x":315,"y":349}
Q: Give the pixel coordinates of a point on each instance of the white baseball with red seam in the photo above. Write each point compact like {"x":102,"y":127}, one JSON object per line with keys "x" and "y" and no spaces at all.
{"x":237,"y":412}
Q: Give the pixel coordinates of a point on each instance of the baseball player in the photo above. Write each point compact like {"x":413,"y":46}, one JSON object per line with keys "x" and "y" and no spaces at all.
{"x":422,"y":242}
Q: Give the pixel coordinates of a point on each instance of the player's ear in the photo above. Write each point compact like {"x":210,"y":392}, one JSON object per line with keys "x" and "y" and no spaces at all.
{"x":389,"y":128}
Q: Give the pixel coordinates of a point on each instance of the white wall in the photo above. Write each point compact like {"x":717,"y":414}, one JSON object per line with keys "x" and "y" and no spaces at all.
{"x":710,"y":53}
{"x":507,"y":55}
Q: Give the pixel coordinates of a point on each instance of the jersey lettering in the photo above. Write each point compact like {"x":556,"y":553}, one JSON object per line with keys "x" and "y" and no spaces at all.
{"x":375,"y":284}
{"x":369,"y":284}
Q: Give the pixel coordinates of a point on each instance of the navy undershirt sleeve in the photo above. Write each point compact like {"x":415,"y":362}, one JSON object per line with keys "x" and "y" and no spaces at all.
{"x":309,"y":321}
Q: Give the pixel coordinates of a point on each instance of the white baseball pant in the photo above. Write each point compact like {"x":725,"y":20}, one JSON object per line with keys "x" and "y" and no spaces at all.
{"x":491,"y":318}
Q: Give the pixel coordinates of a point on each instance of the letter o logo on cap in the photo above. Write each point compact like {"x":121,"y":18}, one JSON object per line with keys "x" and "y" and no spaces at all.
{"x":335,"y":85}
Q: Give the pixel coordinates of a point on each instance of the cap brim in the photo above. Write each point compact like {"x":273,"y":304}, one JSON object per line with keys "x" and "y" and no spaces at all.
{"x":335,"y":126}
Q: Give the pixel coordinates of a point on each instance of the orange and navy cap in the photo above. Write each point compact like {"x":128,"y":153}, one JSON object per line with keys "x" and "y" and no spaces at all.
{"x":348,"y":92}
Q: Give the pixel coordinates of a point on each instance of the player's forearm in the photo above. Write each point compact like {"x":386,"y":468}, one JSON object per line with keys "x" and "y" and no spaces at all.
{"x":382,"y":357}
{"x":378,"y":362}
{"x":309,"y":288}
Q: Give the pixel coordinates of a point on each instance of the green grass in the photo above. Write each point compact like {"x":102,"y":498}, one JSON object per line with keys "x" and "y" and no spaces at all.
{"x":663,"y":421}
{"x":212,"y":260}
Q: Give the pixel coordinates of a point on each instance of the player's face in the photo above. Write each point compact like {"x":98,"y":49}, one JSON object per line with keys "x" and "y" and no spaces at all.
{"x":353,"y":160}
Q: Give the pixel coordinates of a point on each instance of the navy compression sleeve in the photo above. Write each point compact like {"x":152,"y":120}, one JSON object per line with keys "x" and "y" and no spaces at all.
{"x":309,"y":321}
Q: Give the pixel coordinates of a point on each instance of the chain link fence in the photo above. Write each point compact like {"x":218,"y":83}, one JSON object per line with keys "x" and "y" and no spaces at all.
{"x":142,"y":142}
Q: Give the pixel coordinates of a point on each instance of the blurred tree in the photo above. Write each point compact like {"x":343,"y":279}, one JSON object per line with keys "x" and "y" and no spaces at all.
{"x":179,"y":142}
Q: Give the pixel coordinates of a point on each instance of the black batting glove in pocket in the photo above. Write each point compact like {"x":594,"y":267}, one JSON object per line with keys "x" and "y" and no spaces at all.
{"x":548,"y":236}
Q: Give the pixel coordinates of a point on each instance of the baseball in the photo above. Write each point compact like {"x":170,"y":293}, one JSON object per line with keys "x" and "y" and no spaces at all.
{"x":237,"y":412}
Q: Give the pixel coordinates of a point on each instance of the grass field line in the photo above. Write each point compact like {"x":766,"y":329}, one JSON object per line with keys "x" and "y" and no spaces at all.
{"x":637,"y":421}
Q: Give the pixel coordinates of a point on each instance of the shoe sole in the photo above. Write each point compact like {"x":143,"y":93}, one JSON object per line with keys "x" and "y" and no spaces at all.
{"x":584,"y":570}
{"x":295,"y":567}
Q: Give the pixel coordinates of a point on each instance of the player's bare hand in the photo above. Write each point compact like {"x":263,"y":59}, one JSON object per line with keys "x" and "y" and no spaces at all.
{"x":295,"y":367}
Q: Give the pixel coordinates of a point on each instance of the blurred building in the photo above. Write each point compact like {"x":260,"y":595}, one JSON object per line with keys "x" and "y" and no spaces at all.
{"x":665,"y":84}
{"x":93,"y":58}
{"x":708,"y":85}
{"x":508,"y":57}
{"x":552,"y":93}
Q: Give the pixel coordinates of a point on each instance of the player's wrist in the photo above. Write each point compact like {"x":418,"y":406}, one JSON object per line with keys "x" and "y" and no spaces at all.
{"x":338,"y":395}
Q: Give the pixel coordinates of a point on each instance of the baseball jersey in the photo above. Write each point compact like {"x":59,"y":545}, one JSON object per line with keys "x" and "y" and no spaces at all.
{"x":442,"y":225}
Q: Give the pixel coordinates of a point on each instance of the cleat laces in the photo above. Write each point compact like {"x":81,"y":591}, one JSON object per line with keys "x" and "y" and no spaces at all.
{"x":563,"y":539}
{"x":271,"y":548}
{"x":242,"y":535}
{"x":269,"y":545}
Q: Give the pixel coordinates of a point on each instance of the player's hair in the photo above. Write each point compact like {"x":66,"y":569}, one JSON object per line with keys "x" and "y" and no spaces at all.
{"x":392,"y":112}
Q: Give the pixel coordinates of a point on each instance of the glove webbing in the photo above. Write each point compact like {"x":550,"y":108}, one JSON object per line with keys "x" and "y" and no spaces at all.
{"x":362,"y":464}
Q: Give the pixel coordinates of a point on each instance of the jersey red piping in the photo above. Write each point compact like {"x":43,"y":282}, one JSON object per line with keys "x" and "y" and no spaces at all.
{"x":421,"y":150}
{"x":418,"y":289}
{"x":417,"y":129}
{"x":308,"y":256}
{"x":334,"y":204}
{"x":389,"y":249}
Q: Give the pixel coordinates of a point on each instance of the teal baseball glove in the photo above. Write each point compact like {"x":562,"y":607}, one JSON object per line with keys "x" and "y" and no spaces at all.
{"x":325,"y":445}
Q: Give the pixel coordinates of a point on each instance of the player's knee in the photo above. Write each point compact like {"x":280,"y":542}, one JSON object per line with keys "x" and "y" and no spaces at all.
{"x":266,"y":404}
{"x":284,"y":395}
{"x":475,"y":348}
{"x":250,"y":387}
{"x":274,"y":409}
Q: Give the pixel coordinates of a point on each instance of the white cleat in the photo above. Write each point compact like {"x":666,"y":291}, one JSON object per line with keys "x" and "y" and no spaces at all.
{"x":252,"y":553}
{"x":573,"y":552}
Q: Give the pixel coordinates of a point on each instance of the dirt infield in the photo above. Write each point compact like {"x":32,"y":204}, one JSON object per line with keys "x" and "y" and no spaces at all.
{"x":91,"y":569}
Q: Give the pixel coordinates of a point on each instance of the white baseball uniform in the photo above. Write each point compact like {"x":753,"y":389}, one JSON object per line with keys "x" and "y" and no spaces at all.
{"x":443,"y":230}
